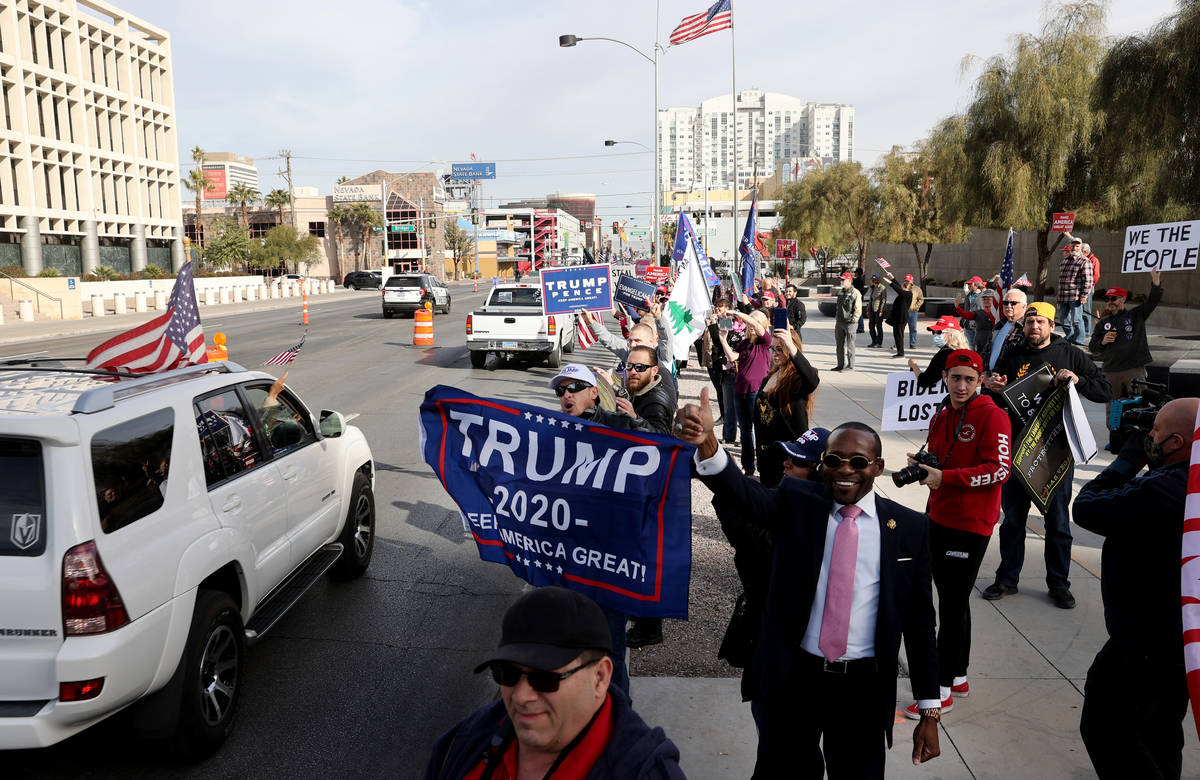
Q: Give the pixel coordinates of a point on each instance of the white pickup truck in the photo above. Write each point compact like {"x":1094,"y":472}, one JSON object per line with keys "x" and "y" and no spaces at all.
{"x":511,"y":324}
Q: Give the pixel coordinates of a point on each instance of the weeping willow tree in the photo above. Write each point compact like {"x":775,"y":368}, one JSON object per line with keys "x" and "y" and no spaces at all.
{"x":1148,"y":87}
{"x":835,"y":206}
{"x":1028,"y":134}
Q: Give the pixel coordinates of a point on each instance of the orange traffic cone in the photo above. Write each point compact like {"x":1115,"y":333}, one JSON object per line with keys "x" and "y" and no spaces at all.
{"x":304,"y":320}
{"x":476,"y":284}
{"x":423,"y":326}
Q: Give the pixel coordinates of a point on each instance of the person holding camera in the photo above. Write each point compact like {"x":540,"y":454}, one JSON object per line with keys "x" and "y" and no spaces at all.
{"x":1068,"y":363}
{"x":964,"y":464}
{"x":1120,"y":338}
{"x":1139,"y":673}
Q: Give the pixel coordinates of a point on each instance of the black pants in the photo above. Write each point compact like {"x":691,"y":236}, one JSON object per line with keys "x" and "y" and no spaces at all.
{"x":898,"y":334}
{"x":876,"y":324}
{"x":717,"y":375}
{"x":957,"y":556}
{"x":1133,"y":708}
{"x":813,"y":704}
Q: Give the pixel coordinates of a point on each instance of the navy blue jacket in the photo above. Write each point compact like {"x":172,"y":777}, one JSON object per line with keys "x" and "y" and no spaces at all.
{"x":796,"y":513}
{"x":635,"y":751}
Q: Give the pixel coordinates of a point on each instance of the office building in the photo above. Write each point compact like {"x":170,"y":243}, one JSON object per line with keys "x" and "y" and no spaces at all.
{"x":224,"y":170}
{"x":89,"y":168}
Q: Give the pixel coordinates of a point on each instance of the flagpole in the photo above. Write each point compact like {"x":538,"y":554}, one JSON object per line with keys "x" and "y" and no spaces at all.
{"x":733,"y":74}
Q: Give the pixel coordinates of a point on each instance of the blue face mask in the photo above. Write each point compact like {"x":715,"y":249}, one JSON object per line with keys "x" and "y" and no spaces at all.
{"x":939,"y":340}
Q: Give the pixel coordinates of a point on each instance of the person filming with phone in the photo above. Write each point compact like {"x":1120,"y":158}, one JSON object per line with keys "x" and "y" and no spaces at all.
{"x":964,"y":463}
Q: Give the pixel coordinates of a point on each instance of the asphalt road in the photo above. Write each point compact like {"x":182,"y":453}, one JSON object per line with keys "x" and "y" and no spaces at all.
{"x":360,"y":678}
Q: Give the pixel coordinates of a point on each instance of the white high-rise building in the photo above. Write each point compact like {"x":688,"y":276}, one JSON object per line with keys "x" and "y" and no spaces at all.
{"x":696,"y":143}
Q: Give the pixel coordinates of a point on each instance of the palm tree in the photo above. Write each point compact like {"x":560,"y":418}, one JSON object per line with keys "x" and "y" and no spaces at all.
{"x":197,"y":182}
{"x":278,"y":199}
{"x":242,"y":193}
{"x":339,"y":216}
{"x":364,"y":217}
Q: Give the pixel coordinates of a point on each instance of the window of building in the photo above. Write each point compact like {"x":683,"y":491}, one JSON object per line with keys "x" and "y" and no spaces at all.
{"x":260,"y":229}
{"x":316,"y":229}
{"x":130,"y":464}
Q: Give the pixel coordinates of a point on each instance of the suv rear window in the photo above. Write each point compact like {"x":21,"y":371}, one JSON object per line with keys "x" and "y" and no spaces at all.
{"x":403,"y":281}
{"x":130,"y":462}
{"x":22,"y":498}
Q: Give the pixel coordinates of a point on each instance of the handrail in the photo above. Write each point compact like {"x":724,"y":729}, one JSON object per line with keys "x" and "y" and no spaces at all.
{"x":36,"y":291}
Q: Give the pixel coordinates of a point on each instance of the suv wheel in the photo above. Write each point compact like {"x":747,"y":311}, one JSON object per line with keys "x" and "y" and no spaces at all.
{"x":358,"y":534}
{"x":351,"y":287}
{"x":447,"y":309}
{"x":554,"y":358}
{"x":212,"y":678}
{"x":387,"y":315}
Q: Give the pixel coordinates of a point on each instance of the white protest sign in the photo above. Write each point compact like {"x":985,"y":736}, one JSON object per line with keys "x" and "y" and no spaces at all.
{"x":906,"y":406}
{"x":1167,"y":246}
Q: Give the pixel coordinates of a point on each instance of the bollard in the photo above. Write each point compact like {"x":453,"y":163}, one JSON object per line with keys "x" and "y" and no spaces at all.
{"x":328,"y":285}
{"x":237,"y":294}
{"x":304,"y":317}
{"x":224,"y":295}
{"x":160,"y":300}
{"x":251,"y":292}
{"x":139,"y":301}
{"x":25,"y":311}
{"x":423,"y":326}
{"x":1,"y":314}
{"x":262,"y":292}
{"x":274,"y":290}
{"x":120,"y":305}
{"x":97,"y":306}
{"x":285,"y":290}
{"x":476,"y":284}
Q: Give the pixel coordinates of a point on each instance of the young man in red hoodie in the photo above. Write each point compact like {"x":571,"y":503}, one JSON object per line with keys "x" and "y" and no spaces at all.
{"x":971,"y":438}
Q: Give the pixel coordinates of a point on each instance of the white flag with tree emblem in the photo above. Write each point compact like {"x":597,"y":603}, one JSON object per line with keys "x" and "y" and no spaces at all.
{"x":689,"y":304}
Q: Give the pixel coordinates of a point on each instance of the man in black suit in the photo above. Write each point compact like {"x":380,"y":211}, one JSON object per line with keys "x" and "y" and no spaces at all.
{"x":851,"y":573}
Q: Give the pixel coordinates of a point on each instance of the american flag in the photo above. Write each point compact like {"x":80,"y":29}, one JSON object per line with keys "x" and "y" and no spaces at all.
{"x":288,"y":355}
{"x":1189,"y":581}
{"x":172,"y":340}
{"x":583,"y":332}
{"x":884,"y":264}
{"x":716,"y":18}
{"x":1005,"y":283}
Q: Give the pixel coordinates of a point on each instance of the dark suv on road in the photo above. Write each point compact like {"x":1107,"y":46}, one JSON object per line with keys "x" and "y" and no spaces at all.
{"x":362,"y":280}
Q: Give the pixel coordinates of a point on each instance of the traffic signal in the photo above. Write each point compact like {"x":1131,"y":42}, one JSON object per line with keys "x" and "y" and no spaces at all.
{"x":474,"y":216}
{"x":616,"y":228}
{"x":433,"y":223}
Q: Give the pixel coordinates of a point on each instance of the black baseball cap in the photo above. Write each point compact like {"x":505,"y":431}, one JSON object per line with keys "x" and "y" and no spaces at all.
{"x":549,"y":627}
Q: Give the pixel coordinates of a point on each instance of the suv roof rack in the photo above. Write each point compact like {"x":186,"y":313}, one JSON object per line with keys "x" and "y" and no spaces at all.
{"x":100,"y":398}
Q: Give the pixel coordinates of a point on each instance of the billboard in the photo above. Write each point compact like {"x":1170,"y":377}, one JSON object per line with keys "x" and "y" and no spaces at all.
{"x":218,"y":185}
{"x":358,"y":193}
{"x":473,"y":170}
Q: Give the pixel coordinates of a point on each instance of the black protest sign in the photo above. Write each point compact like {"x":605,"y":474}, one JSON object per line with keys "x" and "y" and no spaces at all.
{"x":1024,"y":396}
{"x":632,"y":291}
{"x":1042,"y":456}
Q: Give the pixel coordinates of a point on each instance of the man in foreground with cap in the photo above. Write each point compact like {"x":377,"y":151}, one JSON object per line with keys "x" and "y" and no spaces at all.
{"x":971,"y":438}
{"x":1120,"y":338}
{"x":557,"y":715}
{"x":876,"y":310}
{"x":1068,"y":363}
{"x":1074,"y":282}
{"x":849,"y":309}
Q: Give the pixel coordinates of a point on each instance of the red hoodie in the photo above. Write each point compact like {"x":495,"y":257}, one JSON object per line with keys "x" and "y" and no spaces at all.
{"x":974,"y":469}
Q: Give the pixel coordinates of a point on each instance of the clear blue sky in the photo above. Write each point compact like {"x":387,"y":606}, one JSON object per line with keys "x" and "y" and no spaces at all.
{"x":418,"y":80}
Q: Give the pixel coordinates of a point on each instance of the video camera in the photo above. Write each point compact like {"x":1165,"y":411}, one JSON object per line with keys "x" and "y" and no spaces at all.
{"x":1135,"y":416}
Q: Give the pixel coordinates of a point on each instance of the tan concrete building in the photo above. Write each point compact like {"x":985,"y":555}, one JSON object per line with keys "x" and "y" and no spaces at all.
{"x":89,"y":169}
{"x":412,"y":199}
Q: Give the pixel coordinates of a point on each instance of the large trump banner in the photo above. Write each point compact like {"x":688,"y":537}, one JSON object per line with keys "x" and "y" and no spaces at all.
{"x":562,"y":501}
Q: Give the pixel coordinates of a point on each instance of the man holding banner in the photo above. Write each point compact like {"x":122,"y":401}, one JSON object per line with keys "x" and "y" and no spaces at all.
{"x":1139,"y":673}
{"x":1066,"y":363}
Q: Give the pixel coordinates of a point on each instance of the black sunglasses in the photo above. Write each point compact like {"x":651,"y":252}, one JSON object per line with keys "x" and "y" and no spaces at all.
{"x":571,"y":387}
{"x":638,"y":368}
{"x":857,"y":462}
{"x":1009,"y":303}
{"x":1111,"y":298}
{"x":508,"y":675}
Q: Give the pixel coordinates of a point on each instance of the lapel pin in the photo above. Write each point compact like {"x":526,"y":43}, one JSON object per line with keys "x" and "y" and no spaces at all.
{"x":891,"y":524}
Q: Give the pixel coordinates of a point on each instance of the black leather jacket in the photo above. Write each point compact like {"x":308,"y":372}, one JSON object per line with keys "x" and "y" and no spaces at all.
{"x":655,"y":406}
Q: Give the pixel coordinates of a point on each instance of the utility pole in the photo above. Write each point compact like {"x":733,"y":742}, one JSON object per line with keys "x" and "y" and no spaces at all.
{"x":286,"y":154}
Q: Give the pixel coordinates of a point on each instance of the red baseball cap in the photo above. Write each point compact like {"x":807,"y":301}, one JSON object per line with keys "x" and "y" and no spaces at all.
{"x":974,"y":280}
{"x":908,"y":277}
{"x":1115,"y":292}
{"x":847,"y":275}
{"x":945,"y":322}
{"x":768,"y":294}
{"x":965,"y":357}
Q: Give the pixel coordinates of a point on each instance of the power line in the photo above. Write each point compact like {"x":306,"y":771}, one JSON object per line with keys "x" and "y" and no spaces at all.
{"x":443,"y":162}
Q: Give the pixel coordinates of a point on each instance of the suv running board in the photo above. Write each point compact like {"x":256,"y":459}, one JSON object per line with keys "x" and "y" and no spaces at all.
{"x":280,"y":600}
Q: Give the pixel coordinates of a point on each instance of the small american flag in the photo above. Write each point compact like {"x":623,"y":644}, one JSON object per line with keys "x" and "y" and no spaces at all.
{"x":172,"y":340}
{"x":584,"y":332}
{"x":1189,"y":581}
{"x":288,"y":355}
{"x":883,"y":263}
{"x":718,"y":17}
{"x":1005,"y":283}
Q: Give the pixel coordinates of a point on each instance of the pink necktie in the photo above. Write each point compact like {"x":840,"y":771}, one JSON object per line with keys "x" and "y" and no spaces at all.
{"x":839,"y":591}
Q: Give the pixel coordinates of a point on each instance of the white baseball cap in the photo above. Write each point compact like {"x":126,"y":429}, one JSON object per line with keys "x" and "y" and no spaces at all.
{"x":574,"y":372}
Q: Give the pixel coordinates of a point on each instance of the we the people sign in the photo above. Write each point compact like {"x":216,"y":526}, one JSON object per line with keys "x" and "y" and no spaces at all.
{"x":562,"y":501}
{"x":1167,"y":246}
{"x":906,"y":405}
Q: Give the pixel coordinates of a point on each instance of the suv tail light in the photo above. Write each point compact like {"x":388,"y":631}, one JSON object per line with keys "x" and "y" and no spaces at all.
{"x":91,"y":603}
{"x":80,"y":690}
{"x":423,"y":291}
{"x":551,"y":326}
{"x":470,"y":325}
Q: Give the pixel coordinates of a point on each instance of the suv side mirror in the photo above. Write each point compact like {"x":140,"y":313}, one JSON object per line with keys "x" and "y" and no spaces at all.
{"x":332,"y":424}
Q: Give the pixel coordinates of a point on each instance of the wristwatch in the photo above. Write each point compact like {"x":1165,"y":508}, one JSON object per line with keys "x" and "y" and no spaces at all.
{"x":934,"y":713}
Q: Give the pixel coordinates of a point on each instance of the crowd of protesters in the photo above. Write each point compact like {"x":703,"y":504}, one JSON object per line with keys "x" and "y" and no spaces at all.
{"x":819,"y":553}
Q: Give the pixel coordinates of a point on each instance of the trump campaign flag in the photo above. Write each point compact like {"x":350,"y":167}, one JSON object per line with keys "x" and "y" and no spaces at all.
{"x":746,"y":248}
{"x":686,"y":234}
{"x":1189,"y":582}
{"x":562,"y":501}
{"x":171,"y":340}
{"x":688,"y":306}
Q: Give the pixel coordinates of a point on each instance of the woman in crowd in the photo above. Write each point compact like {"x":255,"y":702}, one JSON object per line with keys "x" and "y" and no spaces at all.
{"x":752,"y":356}
{"x":947,"y":336}
{"x":784,"y":403}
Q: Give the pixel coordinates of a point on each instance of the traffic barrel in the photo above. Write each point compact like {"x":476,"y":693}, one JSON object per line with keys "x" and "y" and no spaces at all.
{"x":476,"y":284}
{"x":423,"y":326}
{"x":304,"y":319}
{"x":217,"y":351}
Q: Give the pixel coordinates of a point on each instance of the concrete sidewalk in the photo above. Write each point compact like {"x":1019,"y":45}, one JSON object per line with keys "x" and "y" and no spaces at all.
{"x":1029,"y":658}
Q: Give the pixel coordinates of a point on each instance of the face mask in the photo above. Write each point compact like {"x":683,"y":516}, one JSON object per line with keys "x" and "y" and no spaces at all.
{"x":939,"y":340}
{"x":1155,"y":455}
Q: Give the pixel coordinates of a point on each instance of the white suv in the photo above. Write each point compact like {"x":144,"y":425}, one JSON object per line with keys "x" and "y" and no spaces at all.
{"x":150,"y":528}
